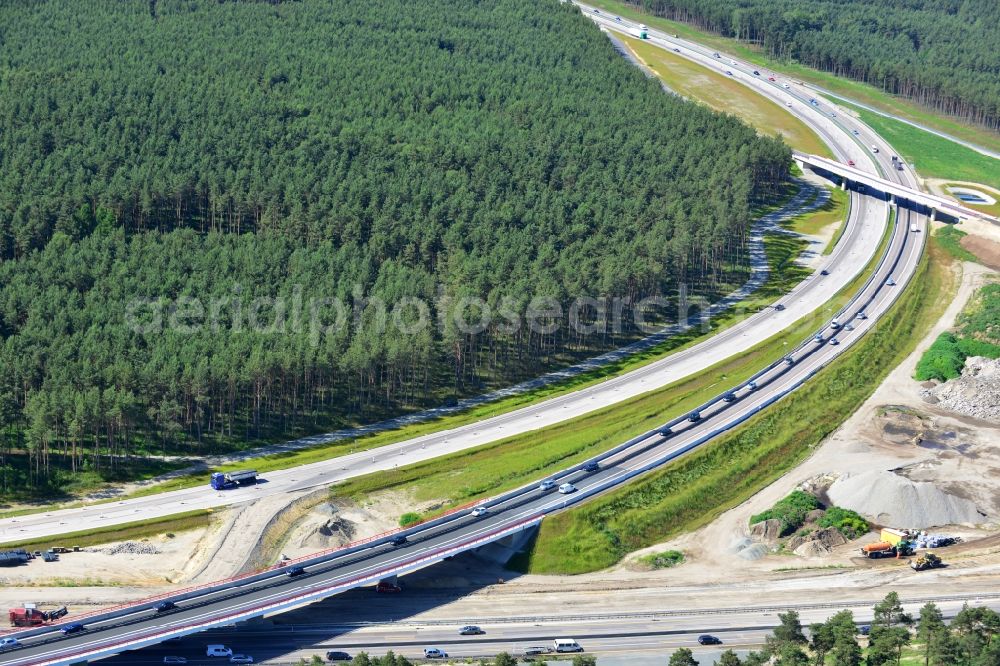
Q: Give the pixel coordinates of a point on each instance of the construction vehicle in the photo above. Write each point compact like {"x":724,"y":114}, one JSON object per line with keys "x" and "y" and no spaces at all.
{"x":223,"y":480}
{"x":878,"y":549}
{"x":926,"y":561}
{"x":29,"y":616}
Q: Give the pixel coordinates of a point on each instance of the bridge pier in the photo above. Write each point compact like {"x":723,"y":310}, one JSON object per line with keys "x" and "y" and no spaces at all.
{"x":843,"y":184}
{"x":933,"y":214}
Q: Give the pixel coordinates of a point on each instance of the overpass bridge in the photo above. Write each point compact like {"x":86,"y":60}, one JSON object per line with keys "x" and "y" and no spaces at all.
{"x":896,"y":191}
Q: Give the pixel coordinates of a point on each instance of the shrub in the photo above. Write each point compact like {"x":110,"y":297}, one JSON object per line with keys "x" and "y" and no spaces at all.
{"x":847,"y":522}
{"x":791,"y":511}
{"x":664,"y":560}
{"x":409,"y":518}
{"x":942,"y":361}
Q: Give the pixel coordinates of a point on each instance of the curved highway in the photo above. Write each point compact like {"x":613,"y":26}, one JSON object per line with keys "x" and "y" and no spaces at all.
{"x":865,"y":226}
{"x":137,"y":625}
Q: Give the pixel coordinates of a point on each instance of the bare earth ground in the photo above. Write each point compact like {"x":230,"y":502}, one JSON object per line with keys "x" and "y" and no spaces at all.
{"x":916,"y":439}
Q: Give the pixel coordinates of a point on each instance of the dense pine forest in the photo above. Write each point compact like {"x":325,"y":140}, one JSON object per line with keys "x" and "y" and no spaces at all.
{"x":173,"y":173}
{"x":944,"y":54}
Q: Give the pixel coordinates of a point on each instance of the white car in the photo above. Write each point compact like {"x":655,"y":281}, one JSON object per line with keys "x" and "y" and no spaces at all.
{"x":241,"y":659}
{"x":785,"y":85}
{"x":547,"y":484}
{"x":435,"y":653}
{"x":480,"y":511}
{"x":8,"y":643}
{"x":218,"y":651}
{"x":567,"y":488}
{"x":788,"y":104}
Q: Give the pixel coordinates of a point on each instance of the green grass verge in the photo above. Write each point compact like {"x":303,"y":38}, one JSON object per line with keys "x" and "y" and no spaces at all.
{"x":695,"y":489}
{"x":723,"y":93}
{"x":500,"y":466}
{"x":862,"y":92}
{"x":933,"y":156}
{"x":950,"y":239}
{"x":179,"y":522}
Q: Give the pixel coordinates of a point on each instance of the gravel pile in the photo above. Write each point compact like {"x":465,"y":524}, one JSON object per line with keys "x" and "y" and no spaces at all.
{"x":976,"y":393}
{"x":895,"y":501}
{"x":131,"y":548}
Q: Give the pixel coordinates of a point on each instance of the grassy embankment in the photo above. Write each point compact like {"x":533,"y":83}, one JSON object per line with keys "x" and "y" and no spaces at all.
{"x":861,"y":92}
{"x":694,"y":490}
{"x":785,"y":274}
{"x":724,"y":94}
{"x":129,"y":531}
{"x":494,"y":468}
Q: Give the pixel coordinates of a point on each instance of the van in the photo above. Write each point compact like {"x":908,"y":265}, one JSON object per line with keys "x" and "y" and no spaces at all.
{"x":566,"y":645}
{"x":217,"y":651}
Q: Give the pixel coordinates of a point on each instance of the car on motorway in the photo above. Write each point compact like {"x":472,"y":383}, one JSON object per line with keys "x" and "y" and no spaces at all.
{"x":664,"y":431}
{"x":756,"y":73}
{"x":170,"y":659}
{"x":592,"y":466}
{"x":677,"y":50}
{"x":834,"y":324}
{"x":874,"y":148}
{"x":729,"y":72}
{"x":752,"y":386}
{"x":890,"y":282}
{"x":770,"y":78}
{"x":824,"y":272}
{"x":709,"y":639}
{"x":834,"y":341}
{"x":785,"y":85}
{"x":470,"y":630}
{"x":833,"y":115}
{"x":164,"y":606}
{"x":435,"y":653}
{"x":618,"y":19}
{"x":729,"y":397}
{"x":397,"y":540}
{"x":597,"y":11}
{"x":788,"y":104}
{"x":716,"y":55}
{"x":789,"y":360}
{"x":241,"y":659}
{"x":813,"y":102}
{"x":73,"y":628}
{"x":779,"y":307}
{"x":732,"y":62}
{"x":848,"y":327}
{"x":694,"y":417}
{"x":566,"y":645}
{"x":218,"y":651}
{"x":6,"y":643}
{"x":567,"y":488}
{"x":295,"y":571}
{"x":480,"y":511}
{"x":337,"y":655}
{"x":547,"y":484}
{"x":861,"y":315}
{"x":850,"y":162}
{"x":818,"y":339}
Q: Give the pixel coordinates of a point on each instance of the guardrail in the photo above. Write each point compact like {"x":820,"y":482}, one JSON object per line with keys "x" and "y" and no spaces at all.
{"x":156,"y":636}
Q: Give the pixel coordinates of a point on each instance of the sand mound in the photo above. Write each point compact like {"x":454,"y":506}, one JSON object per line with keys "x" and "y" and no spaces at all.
{"x":893,"y":500}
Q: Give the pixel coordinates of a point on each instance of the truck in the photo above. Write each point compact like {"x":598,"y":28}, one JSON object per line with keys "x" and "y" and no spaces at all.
{"x":643,"y":32}
{"x":926,"y":561}
{"x":29,"y":616}
{"x":878,"y":549}
{"x":223,"y":480}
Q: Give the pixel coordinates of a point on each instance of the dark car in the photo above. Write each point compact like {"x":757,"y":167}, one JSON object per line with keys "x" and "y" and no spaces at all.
{"x":398,"y":540}
{"x":756,"y":73}
{"x":665,"y":431}
{"x":824,"y":272}
{"x":729,"y":397}
{"x":592,"y":466}
{"x":789,"y":360}
{"x":73,"y":628}
{"x":165,"y":606}
{"x":865,"y":629}
{"x":295,"y":571}
{"x":694,"y":417}
{"x":779,"y":307}
{"x":336,"y":655}
{"x":708,"y":639}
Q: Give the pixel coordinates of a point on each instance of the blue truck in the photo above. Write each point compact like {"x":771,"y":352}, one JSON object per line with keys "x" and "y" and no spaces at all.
{"x":223,"y":480}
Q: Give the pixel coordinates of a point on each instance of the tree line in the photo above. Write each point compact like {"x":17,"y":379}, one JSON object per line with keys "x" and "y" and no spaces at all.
{"x":157,"y":158}
{"x":944,"y":54}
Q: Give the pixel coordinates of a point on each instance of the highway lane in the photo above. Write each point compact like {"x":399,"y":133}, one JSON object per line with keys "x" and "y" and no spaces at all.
{"x":325,"y":577}
{"x":864,"y":228}
{"x":650,"y":632}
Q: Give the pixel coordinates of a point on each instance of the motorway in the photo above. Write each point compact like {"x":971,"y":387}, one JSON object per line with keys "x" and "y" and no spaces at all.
{"x":621,"y":634}
{"x":856,"y":248}
{"x":271,"y":592}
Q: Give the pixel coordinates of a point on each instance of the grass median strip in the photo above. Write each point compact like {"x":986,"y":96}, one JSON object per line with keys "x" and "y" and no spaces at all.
{"x":179,"y":522}
{"x":697,"y":488}
{"x":724,"y":94}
